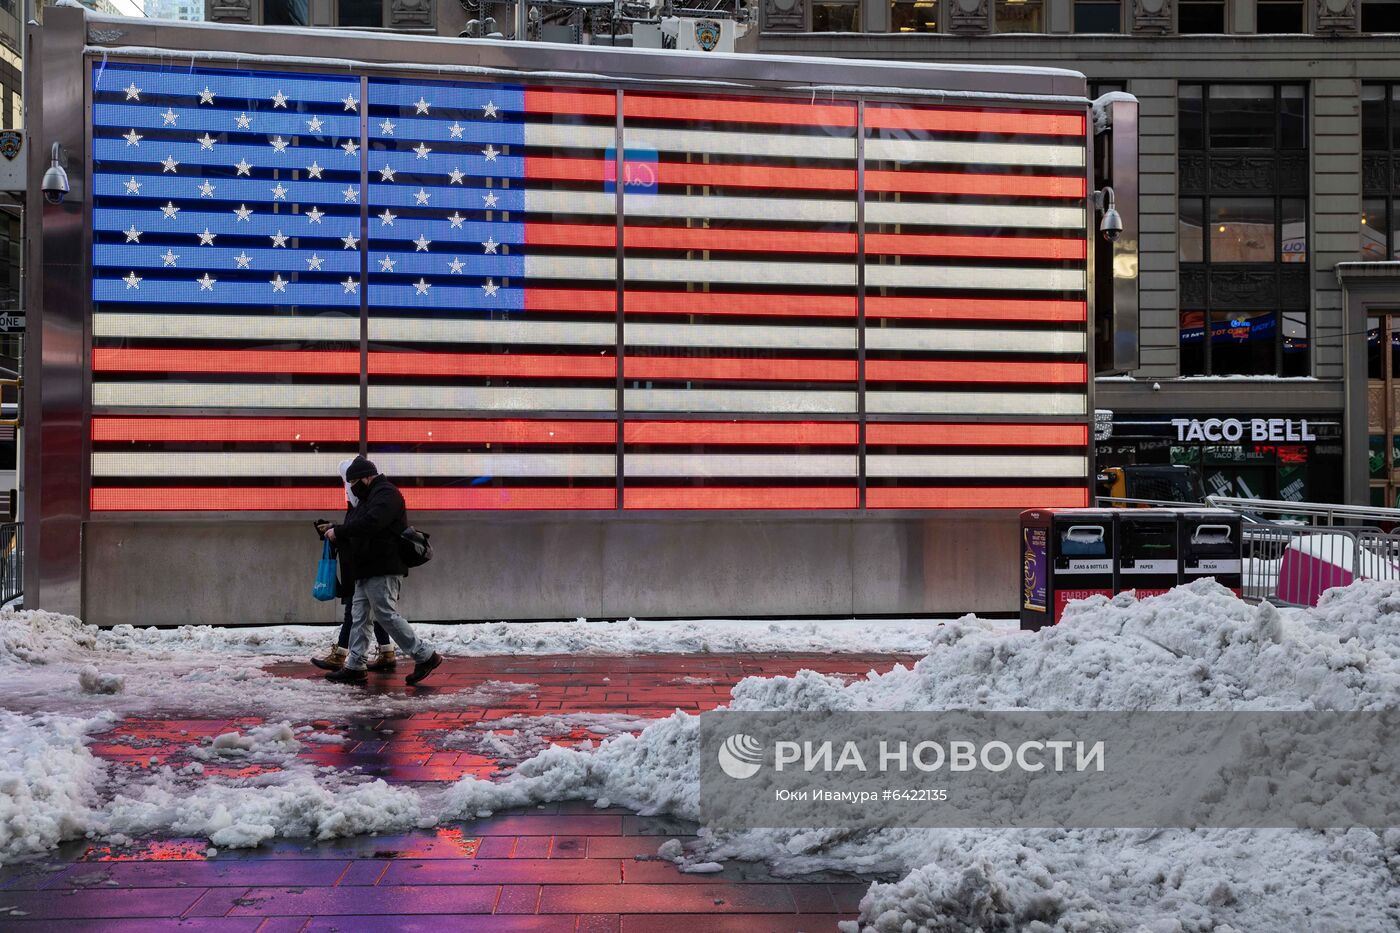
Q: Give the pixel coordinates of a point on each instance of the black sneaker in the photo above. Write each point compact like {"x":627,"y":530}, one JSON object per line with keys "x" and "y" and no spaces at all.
{"x":422,"y":669}
{"x":347,"y":676}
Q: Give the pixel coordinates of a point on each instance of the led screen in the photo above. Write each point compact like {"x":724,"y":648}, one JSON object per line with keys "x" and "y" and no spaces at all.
{"x":516,"y":297}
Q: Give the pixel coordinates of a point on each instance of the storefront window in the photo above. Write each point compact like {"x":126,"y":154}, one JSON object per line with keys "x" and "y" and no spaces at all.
{"x":1193,"y":343}
{"x":1092,"y":16}
{"x":1243,"y":343}
{"x":1242,"y":230}
{"x":1280,"y":16}
{"x":1375,"y":354}
{"x":1374,"y":225}
{"x":1242,"y":116}
{"x":1380,"y":16}
{"x":836,"y":17}
{"x":1200,"y":16}
{"x":1295,"y":344}
{"x":1020,"y":16}
{"x":1190,"y":229}
{"x":920,"y":16}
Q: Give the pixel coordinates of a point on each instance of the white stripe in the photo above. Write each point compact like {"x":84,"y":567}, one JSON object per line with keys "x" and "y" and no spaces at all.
{"x":570,"y":136}
{"x":974,"y":403}
{"x":972,"y":467}
{"x":487,"y":398}
{"x":739,"y":335}
{"x":726,"y":142}
{"x":738,"y":400}
{"x":683,"y":206}
{"x":207,"y":395}
{"x":334,"y":327}
{"x":303,"y":464}
{"x":973,"y":153}
{"x":973,"y":215}
{"x":598,"y":268}
{"x":815,"y":274}
{"x":736,"y":208}
{"x":741,"y":465}
{"x":973,"y":341}
{"x":998,"y":277}
{"x":453,"y":330}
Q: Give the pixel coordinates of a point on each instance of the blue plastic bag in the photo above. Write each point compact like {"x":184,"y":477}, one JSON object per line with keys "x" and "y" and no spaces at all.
{"x":325,"y":587}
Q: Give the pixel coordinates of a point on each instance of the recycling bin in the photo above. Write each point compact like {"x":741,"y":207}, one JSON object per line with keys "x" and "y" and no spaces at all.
{"x":1149,"y":546}
{"x":1212,"y":545}
{"x":1066,"y":554}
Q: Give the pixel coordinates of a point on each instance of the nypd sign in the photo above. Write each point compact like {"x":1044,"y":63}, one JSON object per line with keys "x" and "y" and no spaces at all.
{"x":1231,"y":430}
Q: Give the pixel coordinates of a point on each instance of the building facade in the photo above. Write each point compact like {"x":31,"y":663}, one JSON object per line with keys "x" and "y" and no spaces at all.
{"x":1269,"y":171}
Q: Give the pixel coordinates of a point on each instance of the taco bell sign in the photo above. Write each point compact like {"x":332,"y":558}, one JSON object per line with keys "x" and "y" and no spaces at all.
{"x":1230,"y":430}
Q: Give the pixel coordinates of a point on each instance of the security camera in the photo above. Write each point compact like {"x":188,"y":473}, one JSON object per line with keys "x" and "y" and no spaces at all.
{"x":55,"y":186}
{"x":1111,"y":226}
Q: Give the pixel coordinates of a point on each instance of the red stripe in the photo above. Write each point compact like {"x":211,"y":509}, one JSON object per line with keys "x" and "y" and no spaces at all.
{"x":639,"y":302}
{"x":218,"y":499}
{"x":977,"y":309}
{"x":301,"y":362}
{"x":961,"y":371}
{"x":492,"y":364}
{"x":740,"y":432}
{"x":1018,"y":186}
{"x":223,"y":499}
{"x":236,"y":430}
{"x":685,"y":173}
{"x":430,"y":431}
{"x":733,"y":110}
{"x":671,"y":367}
{"x":577,"y":300}
{"x":983,"y":247}
{"x":937,"y":120}
{"x":719,"y":497}
{"x":448,"y":499}
{"x":977,"y":435}
{"x":956,"y":497}
{"x":586,"y":103}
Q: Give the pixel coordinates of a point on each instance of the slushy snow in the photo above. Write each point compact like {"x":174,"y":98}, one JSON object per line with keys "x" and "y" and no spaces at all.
{"x":1196,"y":648}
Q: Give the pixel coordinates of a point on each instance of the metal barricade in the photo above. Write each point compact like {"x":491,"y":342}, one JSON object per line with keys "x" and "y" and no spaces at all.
{"x":11,"y":561}
{"x":1293,"y":565}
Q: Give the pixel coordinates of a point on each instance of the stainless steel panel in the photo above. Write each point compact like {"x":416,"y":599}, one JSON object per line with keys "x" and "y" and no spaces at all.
{"x":56,"y":244}
{"x":1124,"y":167}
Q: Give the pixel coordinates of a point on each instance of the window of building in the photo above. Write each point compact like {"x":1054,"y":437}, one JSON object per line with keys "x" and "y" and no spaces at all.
{"x":1200,"y":16}
{"x":1380,"y":16}
{"x":1098,"y":16}
{"x":918,"y":16}
{"x":1242,"y":230}
{"x":835,"y":17}
{"x":1380,"y":163}
{"x":359,"y":13}
{"x":285,"y":13}
{"x":1020,"y":16}
{"x":1280,"y":16}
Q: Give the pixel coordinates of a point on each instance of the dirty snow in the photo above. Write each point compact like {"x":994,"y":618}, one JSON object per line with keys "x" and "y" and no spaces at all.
{"x":1194,"y":648}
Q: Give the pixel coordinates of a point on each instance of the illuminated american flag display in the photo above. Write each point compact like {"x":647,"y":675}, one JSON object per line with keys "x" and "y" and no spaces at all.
{"x":736,"y":328}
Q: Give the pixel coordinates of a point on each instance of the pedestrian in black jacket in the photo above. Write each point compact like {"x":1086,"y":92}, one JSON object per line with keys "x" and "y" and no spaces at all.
{"x":385,"y":659}
{"x":370,"y":539}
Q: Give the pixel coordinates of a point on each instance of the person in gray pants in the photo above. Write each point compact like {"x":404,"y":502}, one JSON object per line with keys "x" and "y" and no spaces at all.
{"x":371,"y":533}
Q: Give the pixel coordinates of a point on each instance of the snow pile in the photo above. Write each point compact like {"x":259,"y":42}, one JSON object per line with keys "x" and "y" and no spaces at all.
{"x":513,"y":738}
{"x":48,"y":781}
{"x":271,"y":741}
{"x":91,"y":680}
{"x":245,"y":812}
{"x":38,"y":637}
{"x":1195,"y":648}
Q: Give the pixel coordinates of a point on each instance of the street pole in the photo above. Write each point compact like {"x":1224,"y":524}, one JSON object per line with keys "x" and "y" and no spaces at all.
{"x":522,"y":20}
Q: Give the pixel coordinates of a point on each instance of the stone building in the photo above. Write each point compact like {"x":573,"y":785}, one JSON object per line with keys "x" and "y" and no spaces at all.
{"x":1269,"y":173}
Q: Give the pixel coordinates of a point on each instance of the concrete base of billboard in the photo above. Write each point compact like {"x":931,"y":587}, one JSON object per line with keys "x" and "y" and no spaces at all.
{"x":507,"y":567}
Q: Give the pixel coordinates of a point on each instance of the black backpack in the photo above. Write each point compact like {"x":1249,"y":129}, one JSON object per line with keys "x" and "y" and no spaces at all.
{"x":414,"y":549}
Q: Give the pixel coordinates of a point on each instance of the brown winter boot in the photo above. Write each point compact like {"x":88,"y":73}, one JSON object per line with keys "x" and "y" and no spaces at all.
{"x":385,"y":660}
{"x":333,"y":659}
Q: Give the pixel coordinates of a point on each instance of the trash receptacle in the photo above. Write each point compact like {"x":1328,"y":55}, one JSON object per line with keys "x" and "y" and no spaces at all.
{"x":1212,"y":545}
{"x":1065,"y":554}
{"x":1148,"y":549}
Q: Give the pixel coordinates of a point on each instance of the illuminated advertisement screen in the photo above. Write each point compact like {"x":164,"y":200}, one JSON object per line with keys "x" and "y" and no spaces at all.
{"x":468,"y":280}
